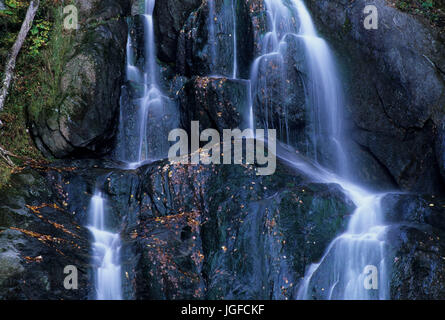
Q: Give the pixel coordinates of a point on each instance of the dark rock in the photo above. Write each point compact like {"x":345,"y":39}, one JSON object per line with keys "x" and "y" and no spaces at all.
{"x":440,"y":148}
{"x":416,"y":246}
{"x":418,"y":265}
{"x":170,"y":16}
{"x":217,"y":103}
{"x":406,"y":208}
{"x":223,"y":232}
{"x":84,"y":122}
{"x":199,"y":54}
{"x":260,"y":250}
{"x":38,"y":239}
{"x":194,"y":232}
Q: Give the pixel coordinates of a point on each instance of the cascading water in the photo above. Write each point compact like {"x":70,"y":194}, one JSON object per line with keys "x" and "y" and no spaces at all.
{"x":106,"y":248}
{"x":324,"y":95}
{"x":212,"y":35}
{"x":235,"y":47}
{"x":154,"y":113}
{"x":152,"y":98}
{"x":341,"y":272}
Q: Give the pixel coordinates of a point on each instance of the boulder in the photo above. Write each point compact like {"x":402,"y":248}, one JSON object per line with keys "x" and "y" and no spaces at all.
{"x":85,"y":120}
{"x":217,"y":103}
{"x":415,"y":246}
{"x":440,"y":148}
{"x":38,"y":239}
{"x":225,"y":233}
{"x":196,"y":232}
{"x":170,"y":16}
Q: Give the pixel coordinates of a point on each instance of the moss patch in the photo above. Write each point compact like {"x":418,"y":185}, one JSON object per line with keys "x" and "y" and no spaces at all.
{"x":38,"y":70}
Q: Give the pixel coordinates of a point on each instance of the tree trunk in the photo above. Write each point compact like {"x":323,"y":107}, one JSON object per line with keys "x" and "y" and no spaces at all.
{"x":10,"y":64}
{"x":5,"y":156}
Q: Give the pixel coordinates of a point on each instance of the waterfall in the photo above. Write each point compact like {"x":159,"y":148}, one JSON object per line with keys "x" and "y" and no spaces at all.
{"x":235,"y":47}
{"x":212,"y":35}
{"x":106,"y":248}
{"x":152,"y":98}
{"x":342,"y":271}
{"x":149,"y":115}
{"x":325,"y":94}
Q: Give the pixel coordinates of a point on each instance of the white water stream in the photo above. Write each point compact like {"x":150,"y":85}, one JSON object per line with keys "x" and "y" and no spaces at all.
{"x":106,"y":248}
{"x":342,"y":271}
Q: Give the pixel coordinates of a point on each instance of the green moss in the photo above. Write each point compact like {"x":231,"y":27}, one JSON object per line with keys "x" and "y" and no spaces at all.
{"x":35,"y":87}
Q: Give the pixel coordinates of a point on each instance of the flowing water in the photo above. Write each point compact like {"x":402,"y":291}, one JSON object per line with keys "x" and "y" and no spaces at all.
{"x":106,"y":248}
{"x":212,"y":35}
{"x":152,"y":99}
{"x":343,"y":270}
{"x":340,"y":274}
{"x":235,"y":46}
{"x":143,"y":130}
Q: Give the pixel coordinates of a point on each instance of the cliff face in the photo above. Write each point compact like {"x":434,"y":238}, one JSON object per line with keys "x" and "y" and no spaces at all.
{"x":38,"y":239}
{"x":221,"y":232}
{"x":189,"y":232}
{"x":393,"y":78}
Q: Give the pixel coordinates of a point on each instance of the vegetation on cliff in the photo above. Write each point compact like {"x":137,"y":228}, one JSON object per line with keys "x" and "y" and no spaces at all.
{"x":33,"y":85}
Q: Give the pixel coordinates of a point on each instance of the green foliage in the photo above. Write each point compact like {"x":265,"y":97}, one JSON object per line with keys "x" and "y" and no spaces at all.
{"x":53,"y":58}
{"x":10,"y":23}
{"x":39,"y":36}
{"x":37,"y":77}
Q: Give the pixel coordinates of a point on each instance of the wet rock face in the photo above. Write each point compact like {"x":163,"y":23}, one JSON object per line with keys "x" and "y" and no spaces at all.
{"x":38,"y":239}
{"x":222,"y":232}
{"x":187,"y":231}
{"x":416,"y":246}
{"x":206,"y":46}
{"x":262,"y":246}
{"x":418,"y":266}
{"x":217,"y":103}
{"x":171,"y":16}
{"x":394,"y":86}
{"x":85,"y":121}
{"x":193,"y":232}
{"x":279,"y":93}
{"x":440,"y":148}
